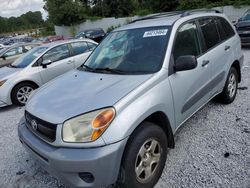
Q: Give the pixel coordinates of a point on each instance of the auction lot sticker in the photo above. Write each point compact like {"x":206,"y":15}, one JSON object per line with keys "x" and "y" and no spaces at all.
{"x":154,"y":33}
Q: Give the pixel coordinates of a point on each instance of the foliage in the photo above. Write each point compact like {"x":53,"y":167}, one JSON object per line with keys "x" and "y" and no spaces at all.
{"x":48,"y":28}
{"x":112,"y":28}
{"x":73,"y":30}
{"x":65,"y":12}
{"x":193,"y":4}
{"x":72,"y":12}
{"x":29,"y":20}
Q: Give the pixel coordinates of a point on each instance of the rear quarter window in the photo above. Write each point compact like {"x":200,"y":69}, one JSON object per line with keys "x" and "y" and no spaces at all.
{"x":79,"y":48}
{"x":91,"y":46}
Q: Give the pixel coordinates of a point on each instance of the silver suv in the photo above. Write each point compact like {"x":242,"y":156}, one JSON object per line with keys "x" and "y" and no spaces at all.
{"x":112,"y":120}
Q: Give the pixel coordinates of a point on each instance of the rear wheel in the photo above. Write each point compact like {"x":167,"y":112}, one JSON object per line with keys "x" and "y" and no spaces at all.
{"x":21,"y":92}
{"x":144,"y":158}
{"x":230,"y":89}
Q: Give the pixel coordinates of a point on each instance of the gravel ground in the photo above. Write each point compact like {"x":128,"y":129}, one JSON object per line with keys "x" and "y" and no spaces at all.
{"x":212,"y":148}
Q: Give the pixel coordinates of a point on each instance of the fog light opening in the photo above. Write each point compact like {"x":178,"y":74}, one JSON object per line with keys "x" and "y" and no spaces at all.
{"x":87,"y":177}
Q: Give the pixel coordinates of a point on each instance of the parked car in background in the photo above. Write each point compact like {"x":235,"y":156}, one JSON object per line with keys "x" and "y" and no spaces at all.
{"x":94,"y":34}
{"x":9,"y":54}
{"x":113,"y":119}
{"x":40,"y":65}
{"x":243,"y":28}
{"x":52,"y":39}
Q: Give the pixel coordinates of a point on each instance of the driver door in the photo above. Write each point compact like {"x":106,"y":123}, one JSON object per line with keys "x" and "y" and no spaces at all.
{"x":61,"y":62}
{"x":189,"y":87}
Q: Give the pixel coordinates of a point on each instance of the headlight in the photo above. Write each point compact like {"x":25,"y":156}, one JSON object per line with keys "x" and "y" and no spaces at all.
{"x":88,"y":127}
{"x":2,"y":82}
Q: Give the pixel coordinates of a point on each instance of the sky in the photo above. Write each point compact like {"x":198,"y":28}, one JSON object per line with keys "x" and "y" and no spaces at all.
{"x":18,"y":7}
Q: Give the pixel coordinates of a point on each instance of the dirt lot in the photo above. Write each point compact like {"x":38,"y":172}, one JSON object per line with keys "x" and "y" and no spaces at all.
{"x":212,"y":148}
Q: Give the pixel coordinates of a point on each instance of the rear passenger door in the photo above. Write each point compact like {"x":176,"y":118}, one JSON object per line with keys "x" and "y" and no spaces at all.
{"x":189,"y":87}
{"x":218,"y":49}
{"x":226,"y":46}
{"x":81,"y":52}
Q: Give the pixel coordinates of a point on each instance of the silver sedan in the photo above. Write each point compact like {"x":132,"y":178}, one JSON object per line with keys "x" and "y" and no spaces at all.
{"x":40,"y":65}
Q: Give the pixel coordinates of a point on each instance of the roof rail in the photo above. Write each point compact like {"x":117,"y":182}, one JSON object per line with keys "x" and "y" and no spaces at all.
{"x":183,"y":13}
{"x":158,"y":15}
{"x":189,"y":12}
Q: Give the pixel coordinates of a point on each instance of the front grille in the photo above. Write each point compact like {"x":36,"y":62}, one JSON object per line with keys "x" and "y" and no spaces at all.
{"x":41,"y":128}
{"x":247,"y":28}
{"x":245,"y":40}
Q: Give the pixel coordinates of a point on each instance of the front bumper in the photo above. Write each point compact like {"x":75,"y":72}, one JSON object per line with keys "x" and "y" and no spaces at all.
{"x":66,"y":163}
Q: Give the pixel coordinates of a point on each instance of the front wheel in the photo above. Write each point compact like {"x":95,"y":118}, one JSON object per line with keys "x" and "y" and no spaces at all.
{"x":20,"y":93}
{"x":230,"y":89}
{"x":144,"y":158}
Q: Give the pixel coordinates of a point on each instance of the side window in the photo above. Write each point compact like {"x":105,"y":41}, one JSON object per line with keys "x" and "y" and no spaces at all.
{"x":79,"y":47}
{"x":210,"y":33}
{"x":14,"y":51}
{"x":227,"y":27}
{"x":58,"y":53}
{"x":187,"y":41}
{"x":92,"y":46}
{"x":221,"y":30}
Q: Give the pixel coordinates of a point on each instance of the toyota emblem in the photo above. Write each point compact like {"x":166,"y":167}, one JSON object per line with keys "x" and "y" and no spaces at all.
{"x":34,"y":124}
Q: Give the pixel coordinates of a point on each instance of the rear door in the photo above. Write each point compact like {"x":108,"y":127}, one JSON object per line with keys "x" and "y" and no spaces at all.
{"x":189,"y":87}
{"x":225,"y":49}
{"x":61,"y":59}
{"x":218,"y":51}
{"x":80,"y":51}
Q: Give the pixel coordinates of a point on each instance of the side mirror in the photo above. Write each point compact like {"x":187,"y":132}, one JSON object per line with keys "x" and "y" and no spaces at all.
{"x":46,"y":63}
{"x":3,"y":57}
{"x":184,"y":63}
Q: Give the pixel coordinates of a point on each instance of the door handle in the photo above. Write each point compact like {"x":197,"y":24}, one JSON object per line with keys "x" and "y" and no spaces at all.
{"x":205,"y":62}
{"x":227,"y":48}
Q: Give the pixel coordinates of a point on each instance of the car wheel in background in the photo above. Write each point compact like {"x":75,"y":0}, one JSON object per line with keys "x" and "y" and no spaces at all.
{"x":144,"y":158}
{"x":21,"y":92}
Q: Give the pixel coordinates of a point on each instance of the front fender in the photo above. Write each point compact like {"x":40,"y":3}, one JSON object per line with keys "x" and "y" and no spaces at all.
{"x":138,"y":108}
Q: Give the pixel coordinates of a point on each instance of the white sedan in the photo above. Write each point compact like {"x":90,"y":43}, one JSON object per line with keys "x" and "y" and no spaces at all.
{"x":40,"y":65}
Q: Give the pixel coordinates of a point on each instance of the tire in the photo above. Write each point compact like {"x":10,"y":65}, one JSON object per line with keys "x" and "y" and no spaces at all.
{"x":230,"y":89}
{"x":147,"y":135}
{"x":24,"y":89}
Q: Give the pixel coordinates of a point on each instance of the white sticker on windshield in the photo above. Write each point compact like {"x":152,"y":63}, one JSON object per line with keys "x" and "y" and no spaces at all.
{"x":154,"y":33}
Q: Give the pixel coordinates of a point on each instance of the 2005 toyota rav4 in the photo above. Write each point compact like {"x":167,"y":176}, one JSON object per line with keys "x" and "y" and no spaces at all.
{"x":112,"y":120}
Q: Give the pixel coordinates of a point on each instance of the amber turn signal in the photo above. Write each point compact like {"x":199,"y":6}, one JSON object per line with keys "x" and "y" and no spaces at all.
{"x":101,"y":122}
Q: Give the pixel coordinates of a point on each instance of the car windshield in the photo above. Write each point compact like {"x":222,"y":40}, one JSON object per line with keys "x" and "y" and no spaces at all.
{"x":26,"y":59}
{"x":246,"y":17}
{"x":135,"y":51}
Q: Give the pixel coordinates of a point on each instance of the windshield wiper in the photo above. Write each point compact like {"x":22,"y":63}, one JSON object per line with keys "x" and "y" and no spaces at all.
{"x":106,"y":69}
{"x":86,"y":67}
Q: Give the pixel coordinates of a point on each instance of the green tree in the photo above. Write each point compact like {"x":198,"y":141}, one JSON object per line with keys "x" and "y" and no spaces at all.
{"x":29,"y":20}
{"x":65,"y":12}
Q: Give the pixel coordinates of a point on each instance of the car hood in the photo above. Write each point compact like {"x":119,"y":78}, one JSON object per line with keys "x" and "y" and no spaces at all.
{"x":7,"y":72}
{"x":243,"y":24}
{"x":78,"y":92}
